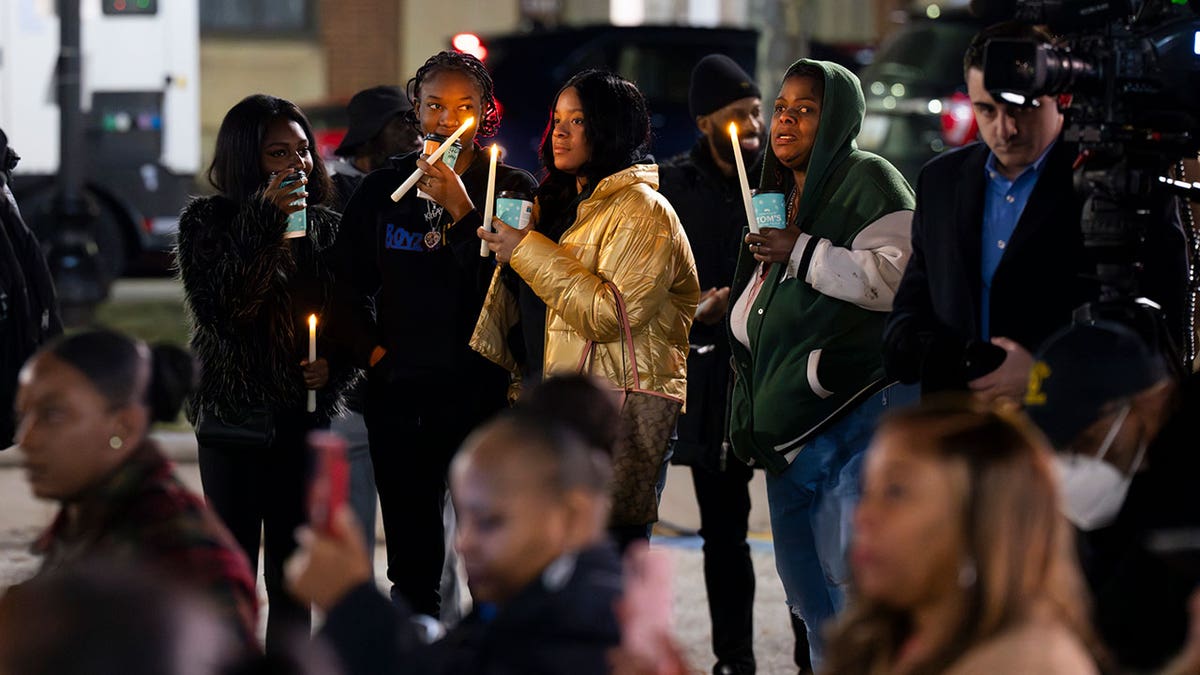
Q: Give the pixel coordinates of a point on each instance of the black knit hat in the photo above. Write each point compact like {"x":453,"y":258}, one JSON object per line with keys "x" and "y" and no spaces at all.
{"x":716,"y":82}
{"x":370,"y":110}
{"x":1083,"y":368}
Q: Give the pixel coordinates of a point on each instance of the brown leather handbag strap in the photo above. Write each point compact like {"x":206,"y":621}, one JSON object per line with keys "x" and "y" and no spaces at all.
{"x":627,"y":334}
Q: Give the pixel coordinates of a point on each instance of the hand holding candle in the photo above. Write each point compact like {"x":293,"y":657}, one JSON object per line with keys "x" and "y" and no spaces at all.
{"x":312,"y":358}
{"x":437,"y":154}
{"x":489,"y":200}
{"x":742,"y":180}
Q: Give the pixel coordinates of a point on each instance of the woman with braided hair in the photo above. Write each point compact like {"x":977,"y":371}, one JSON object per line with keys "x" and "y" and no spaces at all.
{"x":418,"y":259}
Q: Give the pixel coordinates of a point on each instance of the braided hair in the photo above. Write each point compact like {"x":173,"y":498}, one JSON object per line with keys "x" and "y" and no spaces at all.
{"x":489,"y":118}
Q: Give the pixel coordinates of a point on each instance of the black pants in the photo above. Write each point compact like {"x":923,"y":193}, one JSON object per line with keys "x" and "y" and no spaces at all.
{"x":260,"y":495}
{"x":414,"y":431}
{"x":724,"y":499}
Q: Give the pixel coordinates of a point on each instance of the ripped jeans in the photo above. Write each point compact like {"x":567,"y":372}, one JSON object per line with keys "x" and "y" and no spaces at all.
{"x":812,"y":509}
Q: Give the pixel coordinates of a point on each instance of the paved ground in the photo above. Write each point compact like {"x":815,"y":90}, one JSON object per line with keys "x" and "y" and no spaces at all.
{"x":21,"y":517}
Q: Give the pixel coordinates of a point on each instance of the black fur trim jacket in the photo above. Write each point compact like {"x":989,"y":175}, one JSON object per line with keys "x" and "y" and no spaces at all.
{"x":249,"y":293}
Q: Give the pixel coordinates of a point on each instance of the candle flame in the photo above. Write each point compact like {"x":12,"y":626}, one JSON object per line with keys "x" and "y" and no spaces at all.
{"x":495,"y":150}
{"x":312,"y":321}
{"x":468,"y":122}
{"x":733,"y":129}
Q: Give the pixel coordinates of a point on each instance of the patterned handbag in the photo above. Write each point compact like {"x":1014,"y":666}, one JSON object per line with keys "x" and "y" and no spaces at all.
{"x":647,"y":421}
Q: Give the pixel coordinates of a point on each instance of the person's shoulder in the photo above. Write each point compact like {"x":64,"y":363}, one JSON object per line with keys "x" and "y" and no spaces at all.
{"x":951,"y":162}
{"x":1037,"y":647}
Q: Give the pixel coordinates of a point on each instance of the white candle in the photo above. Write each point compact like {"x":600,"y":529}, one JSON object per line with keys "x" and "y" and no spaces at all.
{"x":742,"y":180}
{"x":312,"y":358}
{"x":437,"y":154}
{"x":489,"y":201}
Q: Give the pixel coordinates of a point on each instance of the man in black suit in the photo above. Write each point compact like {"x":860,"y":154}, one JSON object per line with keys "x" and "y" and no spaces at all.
{"x":998,"y":259}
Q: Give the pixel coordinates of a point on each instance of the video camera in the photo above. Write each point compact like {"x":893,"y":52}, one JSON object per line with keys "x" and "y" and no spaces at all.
{"x":1132,"y":68}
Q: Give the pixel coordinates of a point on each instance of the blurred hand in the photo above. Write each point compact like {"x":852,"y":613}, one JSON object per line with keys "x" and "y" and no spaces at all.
{"x":1010,"y":380}
{"x":329,"y":565}
{"x":644,"y":614}
{"x":316,"y":374}
{"x":504,"y":240}
{"x":717,"y":305}
{"x":282,"y":197}
{"x":1188,"y":661}
{"x":446,"y":187}
{"x":773,"y":245}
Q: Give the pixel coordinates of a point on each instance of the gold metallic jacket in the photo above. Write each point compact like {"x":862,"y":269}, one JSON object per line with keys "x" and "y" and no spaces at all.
{"x":626,"y":233}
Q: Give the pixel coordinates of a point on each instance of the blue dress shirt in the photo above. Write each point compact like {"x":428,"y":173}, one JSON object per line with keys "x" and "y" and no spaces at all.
{"x":1003,"y":203}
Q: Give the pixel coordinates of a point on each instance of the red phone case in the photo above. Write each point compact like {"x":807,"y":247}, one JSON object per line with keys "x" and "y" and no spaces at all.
{"x":330,"y":485}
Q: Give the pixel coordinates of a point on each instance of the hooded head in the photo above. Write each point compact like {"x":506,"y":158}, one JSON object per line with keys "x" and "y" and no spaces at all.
{"x":833,"y":98}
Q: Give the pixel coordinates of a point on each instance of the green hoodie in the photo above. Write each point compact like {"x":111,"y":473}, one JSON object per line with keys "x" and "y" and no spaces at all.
{"x":815,"y":356}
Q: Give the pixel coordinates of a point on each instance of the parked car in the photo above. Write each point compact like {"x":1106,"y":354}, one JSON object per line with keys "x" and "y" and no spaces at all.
{"x":917,"y":104}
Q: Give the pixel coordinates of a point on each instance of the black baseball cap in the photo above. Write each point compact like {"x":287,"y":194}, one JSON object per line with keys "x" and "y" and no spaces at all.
{"x":370,"y":110}
{"x":1082,"y":369}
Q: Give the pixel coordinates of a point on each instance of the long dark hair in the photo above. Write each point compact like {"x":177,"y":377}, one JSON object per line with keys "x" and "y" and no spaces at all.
{"x":489,"y":117}
{"x":236,"y":168}
{"x":616,"y":122}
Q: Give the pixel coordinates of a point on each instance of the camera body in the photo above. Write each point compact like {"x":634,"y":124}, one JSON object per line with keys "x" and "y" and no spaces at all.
{"x":1132,"y":70}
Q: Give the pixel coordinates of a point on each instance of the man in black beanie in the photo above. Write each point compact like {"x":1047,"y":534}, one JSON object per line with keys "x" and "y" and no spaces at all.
{"x":377,"y":131}
{"x":702,"y":185}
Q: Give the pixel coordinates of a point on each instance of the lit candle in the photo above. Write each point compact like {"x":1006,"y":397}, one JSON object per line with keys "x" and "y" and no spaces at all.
{"x":742,"y":180}
{"x":312,"y":358}
{"x":437,"y":154}
{"x":488,"y":204}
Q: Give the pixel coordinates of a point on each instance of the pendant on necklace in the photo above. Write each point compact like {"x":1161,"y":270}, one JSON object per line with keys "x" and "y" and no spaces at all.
{"x":433,"y":239}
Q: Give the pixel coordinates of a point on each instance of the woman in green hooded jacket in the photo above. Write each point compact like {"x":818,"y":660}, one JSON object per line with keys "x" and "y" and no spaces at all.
{"x":807,"y":326}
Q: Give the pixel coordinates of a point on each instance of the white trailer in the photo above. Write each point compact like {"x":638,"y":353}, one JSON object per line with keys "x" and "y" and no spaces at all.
{"x":141,"y":101}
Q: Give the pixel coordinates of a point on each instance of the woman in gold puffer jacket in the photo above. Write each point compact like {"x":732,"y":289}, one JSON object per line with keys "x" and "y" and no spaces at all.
{"x":598,"y":219}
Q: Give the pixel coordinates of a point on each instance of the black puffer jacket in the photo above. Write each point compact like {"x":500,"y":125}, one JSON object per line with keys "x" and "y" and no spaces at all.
{"x":249,"y":293}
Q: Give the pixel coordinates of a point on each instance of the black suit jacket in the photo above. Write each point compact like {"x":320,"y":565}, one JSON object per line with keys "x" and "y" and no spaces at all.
{"x":933,"y":333}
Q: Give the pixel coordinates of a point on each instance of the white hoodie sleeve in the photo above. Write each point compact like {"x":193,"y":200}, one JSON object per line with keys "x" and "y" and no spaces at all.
{"x":867,"y":273}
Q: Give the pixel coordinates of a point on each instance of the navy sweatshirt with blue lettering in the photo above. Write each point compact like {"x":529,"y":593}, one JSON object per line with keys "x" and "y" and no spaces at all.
{"x":427,"y":298}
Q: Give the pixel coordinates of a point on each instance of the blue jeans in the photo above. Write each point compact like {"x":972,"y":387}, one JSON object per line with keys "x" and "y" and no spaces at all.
{"x":812,"y":510}
{"x":362,"y":476}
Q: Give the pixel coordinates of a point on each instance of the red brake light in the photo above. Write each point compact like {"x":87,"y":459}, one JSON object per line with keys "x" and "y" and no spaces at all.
{"x":958,"y":120}
{"x":469,"y":43}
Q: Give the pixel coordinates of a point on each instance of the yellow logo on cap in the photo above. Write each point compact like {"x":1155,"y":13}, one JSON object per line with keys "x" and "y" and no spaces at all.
{"x":1037,"y":375}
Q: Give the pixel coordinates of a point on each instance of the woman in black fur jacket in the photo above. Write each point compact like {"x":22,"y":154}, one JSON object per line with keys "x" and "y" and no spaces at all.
{"x":250,"y":291}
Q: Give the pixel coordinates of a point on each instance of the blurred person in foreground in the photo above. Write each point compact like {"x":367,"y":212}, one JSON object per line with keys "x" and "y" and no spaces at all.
{"x":702,"y":186}
{"x":249,"y":289}
{"x":962,"y":562}
{"x":1124,"y":423}
{"x":111,"y":618}
{"x":602,"y":281}
{"x":531,"y":498}
{"x":28,"y":308}
{"x":85,"y":406}
{"x":810,"y":302}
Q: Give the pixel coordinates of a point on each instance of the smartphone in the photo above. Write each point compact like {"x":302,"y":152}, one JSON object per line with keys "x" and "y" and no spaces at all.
{"x":330,"y":484}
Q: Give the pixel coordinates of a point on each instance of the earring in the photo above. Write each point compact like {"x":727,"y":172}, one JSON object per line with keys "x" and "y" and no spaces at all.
{"x":967,"y":574}
{"x":115,"y":442}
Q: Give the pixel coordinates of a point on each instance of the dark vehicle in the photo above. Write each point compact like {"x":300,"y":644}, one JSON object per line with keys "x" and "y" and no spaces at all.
{"x":917,"y":104}
{"x":530,"y":67}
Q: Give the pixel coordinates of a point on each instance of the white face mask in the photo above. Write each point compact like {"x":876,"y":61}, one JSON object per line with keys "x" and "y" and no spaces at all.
{"x":1093,"y":489}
